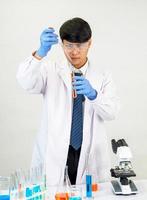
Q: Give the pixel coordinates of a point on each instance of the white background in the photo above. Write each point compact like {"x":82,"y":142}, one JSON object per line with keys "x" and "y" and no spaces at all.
{"x":119,"y":44}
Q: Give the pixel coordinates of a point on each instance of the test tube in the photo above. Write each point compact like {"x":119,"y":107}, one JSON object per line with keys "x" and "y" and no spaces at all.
{"x":74,"y":94}
{"x":88,"y":186}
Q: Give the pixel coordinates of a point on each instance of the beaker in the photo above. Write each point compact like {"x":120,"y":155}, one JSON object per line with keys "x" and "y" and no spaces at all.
{"x":75,"y":192}
{"x":62,"y":193}
{"x":4,"y":187}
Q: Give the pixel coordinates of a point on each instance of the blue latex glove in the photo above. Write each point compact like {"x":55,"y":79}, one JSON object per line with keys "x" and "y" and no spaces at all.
{"x":82,"y":86}
{"x":47,"y":39}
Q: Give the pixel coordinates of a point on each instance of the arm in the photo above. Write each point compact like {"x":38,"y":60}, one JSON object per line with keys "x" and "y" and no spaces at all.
{"x":32,"y":73}
{"x":106,"y":104}
{"x":103,"y":100}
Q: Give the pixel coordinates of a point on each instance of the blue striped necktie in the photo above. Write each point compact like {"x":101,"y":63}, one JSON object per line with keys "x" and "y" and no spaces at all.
{"x":77,"y":121}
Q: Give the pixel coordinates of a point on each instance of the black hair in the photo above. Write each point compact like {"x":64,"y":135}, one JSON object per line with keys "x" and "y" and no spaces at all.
{"x":75,"y":30}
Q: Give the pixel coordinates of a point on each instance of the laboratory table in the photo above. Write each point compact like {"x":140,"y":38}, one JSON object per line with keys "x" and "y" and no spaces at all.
{"x":106,"y":192}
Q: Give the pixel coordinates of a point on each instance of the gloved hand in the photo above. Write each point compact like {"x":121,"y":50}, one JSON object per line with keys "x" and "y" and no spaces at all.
{"x":47,"y":39}
{"x":82,"y":86}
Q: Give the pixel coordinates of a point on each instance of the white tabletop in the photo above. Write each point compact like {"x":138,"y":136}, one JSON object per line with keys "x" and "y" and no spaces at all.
{"x":106,"y":193}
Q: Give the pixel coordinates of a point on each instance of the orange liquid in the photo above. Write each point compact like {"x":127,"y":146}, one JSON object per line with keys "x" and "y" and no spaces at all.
{"x":74,"y":94}
{"x":61,"y":196}
{"x":95,"y":187}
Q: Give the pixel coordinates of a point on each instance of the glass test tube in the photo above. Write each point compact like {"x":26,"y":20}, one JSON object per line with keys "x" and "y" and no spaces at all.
{"x":74,"y":94}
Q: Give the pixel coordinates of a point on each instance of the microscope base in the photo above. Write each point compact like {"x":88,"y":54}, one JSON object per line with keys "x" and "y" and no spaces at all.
{"x":119,"y":189}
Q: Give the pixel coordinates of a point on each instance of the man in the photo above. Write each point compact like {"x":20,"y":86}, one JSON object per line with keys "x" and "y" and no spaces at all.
{"x":72,"y":131}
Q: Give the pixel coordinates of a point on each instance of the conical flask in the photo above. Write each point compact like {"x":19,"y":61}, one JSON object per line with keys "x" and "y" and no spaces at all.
{"x":67,"y":182}
{"x":63,"y":187}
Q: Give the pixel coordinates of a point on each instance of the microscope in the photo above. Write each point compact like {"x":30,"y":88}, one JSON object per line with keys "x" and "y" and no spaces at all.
{"x":122,"y":185}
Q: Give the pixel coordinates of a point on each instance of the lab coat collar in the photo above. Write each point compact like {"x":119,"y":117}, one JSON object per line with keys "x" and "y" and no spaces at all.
{"x":65,"y":69}
{"x":83,"y":69}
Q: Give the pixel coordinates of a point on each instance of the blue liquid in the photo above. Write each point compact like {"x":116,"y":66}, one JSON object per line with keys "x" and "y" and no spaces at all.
{"x":4,"y":197}
{"x":32,"y":191}
{"x":88,"y":186}
{"x":75,"y":198}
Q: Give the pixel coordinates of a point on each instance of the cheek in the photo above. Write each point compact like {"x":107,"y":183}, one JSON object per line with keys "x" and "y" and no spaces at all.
{"x":84,"y":54}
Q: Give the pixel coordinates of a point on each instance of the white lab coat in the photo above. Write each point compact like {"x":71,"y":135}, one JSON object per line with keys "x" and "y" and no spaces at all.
{"x":53,"y":81}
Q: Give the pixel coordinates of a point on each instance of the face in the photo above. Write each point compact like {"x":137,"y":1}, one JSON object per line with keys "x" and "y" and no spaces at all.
{"x":76,"y":53}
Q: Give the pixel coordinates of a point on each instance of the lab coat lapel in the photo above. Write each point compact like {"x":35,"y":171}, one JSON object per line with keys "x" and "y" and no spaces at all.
{"x":65,"y":74}
{"x":92,"y":75}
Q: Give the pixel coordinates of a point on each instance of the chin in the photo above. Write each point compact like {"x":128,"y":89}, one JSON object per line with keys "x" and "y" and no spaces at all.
{"x":75,"y":63}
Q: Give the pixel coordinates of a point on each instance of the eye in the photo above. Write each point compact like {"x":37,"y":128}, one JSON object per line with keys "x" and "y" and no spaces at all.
{"x":69,"y":46}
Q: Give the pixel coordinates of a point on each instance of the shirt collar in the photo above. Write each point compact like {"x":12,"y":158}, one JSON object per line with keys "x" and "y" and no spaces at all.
{"x":83,"y":69}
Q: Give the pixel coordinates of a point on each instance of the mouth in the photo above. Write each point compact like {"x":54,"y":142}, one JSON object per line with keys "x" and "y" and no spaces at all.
{"x":73,"y":58}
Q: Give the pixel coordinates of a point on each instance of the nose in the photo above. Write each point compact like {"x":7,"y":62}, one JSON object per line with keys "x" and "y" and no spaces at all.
{"x":75,"y":51}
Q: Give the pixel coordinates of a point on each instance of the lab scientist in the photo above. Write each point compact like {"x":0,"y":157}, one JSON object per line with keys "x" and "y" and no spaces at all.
{"x":72,"y":131}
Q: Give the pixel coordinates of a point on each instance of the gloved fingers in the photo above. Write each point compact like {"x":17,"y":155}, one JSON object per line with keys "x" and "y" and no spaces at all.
{"x":80,"y":87}
{"x":80,"y":78}
{"x":50,"y":39}
{"x":75,"y":83}
{"x":49,"y":44}
{"x":48,"y":30}
{"x":54,"y":42}
{"x":50,"y":34}
{"x":80,"y":92}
